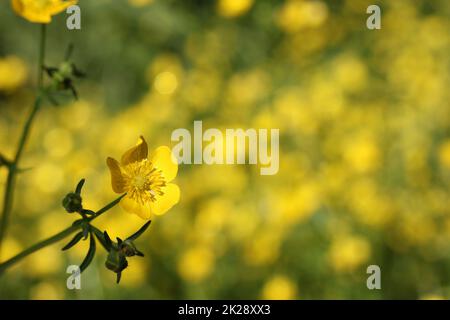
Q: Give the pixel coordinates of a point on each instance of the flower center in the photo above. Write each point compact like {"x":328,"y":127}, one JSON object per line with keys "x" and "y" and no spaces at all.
{"x":143,"y":181}
{"x":139,"y":182}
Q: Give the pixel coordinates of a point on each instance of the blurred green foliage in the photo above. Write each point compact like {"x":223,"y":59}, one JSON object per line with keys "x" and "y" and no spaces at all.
{"x":365,"y":147}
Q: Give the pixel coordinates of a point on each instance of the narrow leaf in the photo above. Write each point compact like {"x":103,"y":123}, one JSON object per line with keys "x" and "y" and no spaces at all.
{"x":79,"y":186}
{"x":85,"y":232}
{"x":108,"y":240}
{"x":140,"y":231}
{"x":119,"y":275}
{"x":108,"y":206}
{"x":74,"y":241}
{"x":139,"y":254}
{"x":90,"y":255}
{"x":101,"y":238}
{"x":88,"y":212}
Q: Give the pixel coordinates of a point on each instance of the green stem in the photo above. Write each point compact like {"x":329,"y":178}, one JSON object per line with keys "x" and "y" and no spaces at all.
{"x":55,"y":238}
{"x":42,"y":55}
{"x":12,"y":167}
{"x":59,"y":236}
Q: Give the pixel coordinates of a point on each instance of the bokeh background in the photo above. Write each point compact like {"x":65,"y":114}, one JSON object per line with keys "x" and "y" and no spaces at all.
{"x":364,"y":147}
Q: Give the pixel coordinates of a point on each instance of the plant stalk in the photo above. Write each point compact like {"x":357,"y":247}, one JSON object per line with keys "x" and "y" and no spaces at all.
{"x":13,"y":166}
{"x":55,"y":238}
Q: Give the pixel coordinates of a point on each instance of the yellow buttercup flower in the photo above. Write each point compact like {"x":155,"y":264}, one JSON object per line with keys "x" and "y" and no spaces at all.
{"x":146,"y":181}
{"x":40,"y":11}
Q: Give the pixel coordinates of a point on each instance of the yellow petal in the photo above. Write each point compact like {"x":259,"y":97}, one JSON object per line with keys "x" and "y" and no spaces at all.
{"x":40,"y":11}
{"x":131,"y":206}
{"x":32,"y":16}
{"x":170,"y":198}
{"x":137,"y":153}
{"x":164,"y":160}
{"x":117,"y":181}
{"x":60,"y":6}
{"x":17,"y":6}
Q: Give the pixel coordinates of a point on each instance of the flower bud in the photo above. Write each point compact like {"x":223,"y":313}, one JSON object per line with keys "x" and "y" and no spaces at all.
{"x":128,"y":248}
{"x":116,"y":261}
{"x":72,"y":202}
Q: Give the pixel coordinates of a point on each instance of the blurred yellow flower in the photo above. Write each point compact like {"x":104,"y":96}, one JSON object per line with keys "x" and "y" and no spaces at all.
{"x":432,"y":296}
{"x":233,"y":8}
{"x":40,"y":11}
{"x":145,"y":181}
{"x":444,"y":154}
{"x":279,"y":288}
{"x":10,"y":248}
{"x":166,"y":83}
{"x":362,"y":154}
{"x":296,"y":15}
{"x":46,"y":291}
{"x":350,"y":73}
{"x":48,"y":262}
{"x":13,"y":73}
{"x":264,"y":248}
{"x":196,"y":263}
{"x":349,"y":252}
{"x":140,"y":3}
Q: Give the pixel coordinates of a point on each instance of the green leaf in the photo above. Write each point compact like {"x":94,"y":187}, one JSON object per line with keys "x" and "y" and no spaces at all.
{"x":79,"y":186}
{"x":139,"y":254}
{"x":85,"y":231}
{"x":109,"y":206}
{"x":74,"y":241}
{"x":90,"y":255}
{"x":101,"y":238}
{"x":108,"y":240}
{"x":88,"y":212}
{"x":119,"y":275}
{"x":77,"y":222}
{"x":140,"y":231}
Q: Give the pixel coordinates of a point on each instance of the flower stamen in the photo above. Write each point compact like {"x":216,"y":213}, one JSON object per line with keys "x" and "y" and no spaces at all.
{"x":143,"y":182}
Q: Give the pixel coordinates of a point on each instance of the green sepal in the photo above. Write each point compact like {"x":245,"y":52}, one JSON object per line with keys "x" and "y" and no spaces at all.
{"x":101,"y":238}
{"x":90,"y":255}
{"x":108,"y":240}
{"x":79,"y":186}
{"x":87,"y":212}
{"x":116,"y":261}
{"x":74,"y":241}
{"x":85,"y":231}
{"x":139,"y":254}
{"x":140,"y":231}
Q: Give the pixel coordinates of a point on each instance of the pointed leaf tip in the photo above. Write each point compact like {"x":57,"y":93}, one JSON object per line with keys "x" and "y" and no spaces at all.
{"x":140,"y":231}
{"x":90,"y":255}
{"x":74,"y":241}
{"x":80,"y":186}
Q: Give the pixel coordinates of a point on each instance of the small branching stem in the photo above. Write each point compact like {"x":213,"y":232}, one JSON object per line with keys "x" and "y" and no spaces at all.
{"x":55,"y":238}
{"x":13,"y":166}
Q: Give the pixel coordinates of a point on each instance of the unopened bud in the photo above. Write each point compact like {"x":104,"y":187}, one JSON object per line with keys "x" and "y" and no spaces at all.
{"x":72,"y":202}
{"x":129,"y":249}
{"x":116,"y":261}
